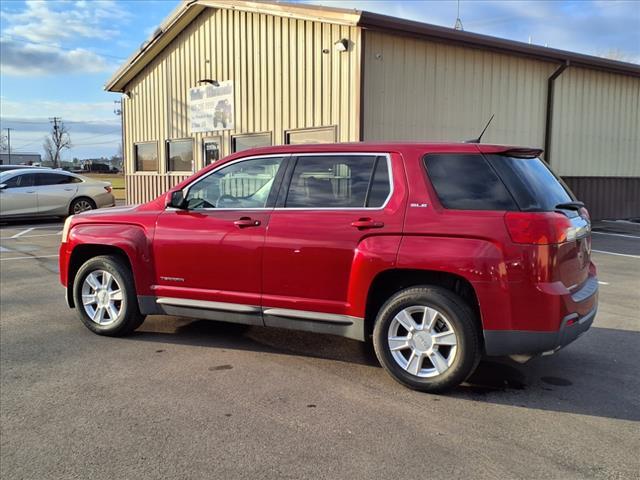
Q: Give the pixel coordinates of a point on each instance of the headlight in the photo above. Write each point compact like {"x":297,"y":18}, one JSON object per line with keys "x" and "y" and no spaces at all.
{"x":65,"y":229}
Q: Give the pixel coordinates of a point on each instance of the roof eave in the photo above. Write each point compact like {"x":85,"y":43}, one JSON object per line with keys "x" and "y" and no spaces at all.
{"x":475,"y":40}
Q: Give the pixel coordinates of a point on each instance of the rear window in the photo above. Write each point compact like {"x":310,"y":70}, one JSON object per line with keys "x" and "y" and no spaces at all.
{"x":467,"y":182}
{"x":531,"y":182}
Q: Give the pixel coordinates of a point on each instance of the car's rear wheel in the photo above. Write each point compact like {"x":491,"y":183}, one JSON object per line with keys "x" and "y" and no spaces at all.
{"x":427,"y":339}
{"x":105,"y":297}
{"x":80,"y":205}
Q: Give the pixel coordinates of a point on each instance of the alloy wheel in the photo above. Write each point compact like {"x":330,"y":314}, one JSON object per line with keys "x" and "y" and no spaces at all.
{"x":102,"y":297}
{"x":422,"y":341}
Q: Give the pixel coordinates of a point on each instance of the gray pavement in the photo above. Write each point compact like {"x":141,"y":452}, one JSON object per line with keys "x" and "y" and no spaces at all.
{"x":197,"y":399}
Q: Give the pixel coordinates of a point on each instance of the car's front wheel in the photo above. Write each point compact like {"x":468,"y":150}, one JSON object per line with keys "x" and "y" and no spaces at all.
{"x":427,"y":339}
{"x":105,"y":297}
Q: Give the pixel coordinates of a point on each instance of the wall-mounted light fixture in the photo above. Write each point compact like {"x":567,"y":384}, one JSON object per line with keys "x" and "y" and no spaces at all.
{"x":342,"y":45}
{"x":215,"y":83}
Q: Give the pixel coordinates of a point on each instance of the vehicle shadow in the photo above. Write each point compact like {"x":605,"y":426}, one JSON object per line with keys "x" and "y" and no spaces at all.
{"x":597,"y":375}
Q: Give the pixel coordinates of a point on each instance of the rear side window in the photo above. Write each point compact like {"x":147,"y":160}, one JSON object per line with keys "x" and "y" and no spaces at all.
{"x":531,"y":182}
{"x":53,"y":179}
{"x":467,"y":182}
{"x":24,"y":180}
{"x":338,"y":181}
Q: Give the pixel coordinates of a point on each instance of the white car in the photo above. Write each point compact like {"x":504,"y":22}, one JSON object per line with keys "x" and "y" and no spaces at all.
{"x":31,"y":192}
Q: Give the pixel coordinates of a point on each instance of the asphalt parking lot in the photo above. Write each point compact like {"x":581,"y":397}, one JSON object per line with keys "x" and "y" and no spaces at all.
{"x":197,"y":399}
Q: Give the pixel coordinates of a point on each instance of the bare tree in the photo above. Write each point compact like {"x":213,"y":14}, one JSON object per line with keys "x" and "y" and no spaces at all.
{"x":56,"y":142}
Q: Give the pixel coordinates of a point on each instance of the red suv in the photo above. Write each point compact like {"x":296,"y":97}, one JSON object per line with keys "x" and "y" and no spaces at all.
{"x":440,"y":252}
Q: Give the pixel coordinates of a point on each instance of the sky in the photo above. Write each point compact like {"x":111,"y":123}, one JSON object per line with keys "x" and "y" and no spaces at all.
{"x":56,"y":55}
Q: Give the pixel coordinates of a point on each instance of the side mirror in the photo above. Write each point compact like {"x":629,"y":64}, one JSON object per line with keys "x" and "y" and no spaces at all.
{"x":175,"y":199}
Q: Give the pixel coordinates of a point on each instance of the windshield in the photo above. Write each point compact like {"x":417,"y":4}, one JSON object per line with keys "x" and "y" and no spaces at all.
{"x":533,"y":185}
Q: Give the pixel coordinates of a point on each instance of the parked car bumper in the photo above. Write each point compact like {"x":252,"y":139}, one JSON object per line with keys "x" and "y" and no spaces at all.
{"x":576,"y":313}
{"x":105,"y":200}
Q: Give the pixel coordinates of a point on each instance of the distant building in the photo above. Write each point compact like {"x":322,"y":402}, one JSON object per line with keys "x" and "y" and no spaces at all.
{"x":222,"y":76}
{"x":20,"y":158}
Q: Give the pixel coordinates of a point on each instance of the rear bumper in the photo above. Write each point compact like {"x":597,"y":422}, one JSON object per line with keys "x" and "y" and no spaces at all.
{"x":510,"y":342}
{"x":575,"y":314}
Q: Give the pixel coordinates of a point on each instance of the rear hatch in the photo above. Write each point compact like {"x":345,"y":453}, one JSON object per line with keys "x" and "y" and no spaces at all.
{"x":549,"y":213}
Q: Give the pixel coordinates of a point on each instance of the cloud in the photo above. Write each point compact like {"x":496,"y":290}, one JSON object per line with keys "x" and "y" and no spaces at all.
{"x":30,"y":111}
{"x":43,"y":38}
{"x":18,"y":58}
{"x":39,"y":22}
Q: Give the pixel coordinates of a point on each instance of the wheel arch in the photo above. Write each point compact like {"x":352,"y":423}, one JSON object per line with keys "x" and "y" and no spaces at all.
{"x":80,"y":197}
{"x":388,"y":282}
{"x":86,"y":251}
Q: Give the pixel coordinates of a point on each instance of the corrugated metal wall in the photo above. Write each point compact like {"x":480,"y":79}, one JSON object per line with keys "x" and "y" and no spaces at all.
{"x":596,"y":124}
{"x":282,"y":81}
{"x":608,"y":197}
{"x":420,"y":90}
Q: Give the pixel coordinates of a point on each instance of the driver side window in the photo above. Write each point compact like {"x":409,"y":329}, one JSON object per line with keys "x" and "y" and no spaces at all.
{"x":245,"y":184}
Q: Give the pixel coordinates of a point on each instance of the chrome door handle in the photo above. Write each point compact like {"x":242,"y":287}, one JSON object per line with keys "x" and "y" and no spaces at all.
{"x":69,"y":189}
{"x":245,"y":222}
{"x":364,"y":223}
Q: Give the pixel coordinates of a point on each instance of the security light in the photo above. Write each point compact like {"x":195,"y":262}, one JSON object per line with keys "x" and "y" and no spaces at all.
{"x":342,"y":45}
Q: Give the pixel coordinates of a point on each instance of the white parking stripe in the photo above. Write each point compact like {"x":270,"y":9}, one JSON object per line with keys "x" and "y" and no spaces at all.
{"x":19,"y":234}
{"x":618,"y":254}
{"x":28,"y":258}
{"x":603,"y":283}
{"x":616,"y":235}
{"x":31,"y":236}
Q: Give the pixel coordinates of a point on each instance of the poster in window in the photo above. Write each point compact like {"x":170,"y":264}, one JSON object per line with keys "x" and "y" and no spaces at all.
{"x":211,"y":107}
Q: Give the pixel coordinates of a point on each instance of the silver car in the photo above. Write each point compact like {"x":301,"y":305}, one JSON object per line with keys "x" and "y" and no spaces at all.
{"x":30,"y":192}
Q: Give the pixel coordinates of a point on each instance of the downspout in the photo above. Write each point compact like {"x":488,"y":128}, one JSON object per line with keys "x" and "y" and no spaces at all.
{"x":551,"y":82}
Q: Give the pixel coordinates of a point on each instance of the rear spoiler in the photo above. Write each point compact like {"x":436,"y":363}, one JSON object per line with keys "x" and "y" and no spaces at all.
{"x":521,"y":152}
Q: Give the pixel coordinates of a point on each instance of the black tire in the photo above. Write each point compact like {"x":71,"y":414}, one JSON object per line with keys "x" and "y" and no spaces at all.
{"x":129,"y":317}
{"x":460,"y":318}
{"x":78,"y":201}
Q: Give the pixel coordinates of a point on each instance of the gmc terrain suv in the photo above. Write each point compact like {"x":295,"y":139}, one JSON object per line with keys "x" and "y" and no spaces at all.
{"x":440,"y":252}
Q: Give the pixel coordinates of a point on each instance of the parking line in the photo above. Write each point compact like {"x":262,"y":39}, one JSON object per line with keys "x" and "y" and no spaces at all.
{"x":19,"y":234}
{"x":25,"y":258}
{"x":618,"y":254}
{"x":31,"y":236}
{"x":616,"y":235}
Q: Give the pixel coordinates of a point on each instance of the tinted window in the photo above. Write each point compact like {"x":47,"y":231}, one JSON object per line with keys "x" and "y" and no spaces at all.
{"x":467,"y":182}
{"x":311,"y":135}
{"x":244,"y":184}
{"x":253,"y":140}
{"x":531,"y":182}
{"x":380,"y":186}
{"x":331,"y":181}
{"x":146,"y":157}
{"x":180,"y":155}
{"x":53,"y":179}
{"x":24,"y":180}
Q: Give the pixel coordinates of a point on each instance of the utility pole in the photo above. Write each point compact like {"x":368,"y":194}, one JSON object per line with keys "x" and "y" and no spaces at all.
{"x":9,"y":143}
{"x":55,"y":121}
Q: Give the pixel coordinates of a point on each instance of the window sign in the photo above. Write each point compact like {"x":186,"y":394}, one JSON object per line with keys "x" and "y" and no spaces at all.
{"x":211,"y":151}
{"x":211,"y":108}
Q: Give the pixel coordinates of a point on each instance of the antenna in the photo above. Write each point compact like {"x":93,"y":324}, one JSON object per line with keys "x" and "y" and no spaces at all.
{"x":458,"y":25}
{"x":477,"y":140}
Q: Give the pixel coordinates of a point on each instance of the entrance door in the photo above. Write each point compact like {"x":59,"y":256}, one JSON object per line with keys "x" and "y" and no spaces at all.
{"x":209,"y":255}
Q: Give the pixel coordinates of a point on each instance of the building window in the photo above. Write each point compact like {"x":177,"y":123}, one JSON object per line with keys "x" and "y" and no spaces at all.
{"x":311,"y":135}
{"x":211,"y":150}
{"x":250,"y":140}
{"x":339,"y":181}
{"x":146,"y":157}
{"x":180,"y":155}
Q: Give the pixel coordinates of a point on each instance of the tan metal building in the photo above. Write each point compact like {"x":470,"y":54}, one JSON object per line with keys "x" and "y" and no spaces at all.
{"x":222,"y":76}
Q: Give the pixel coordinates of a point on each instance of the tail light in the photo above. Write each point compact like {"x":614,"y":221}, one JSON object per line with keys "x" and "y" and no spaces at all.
{"x":108,"y":188}
{"x":539,"y":228}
